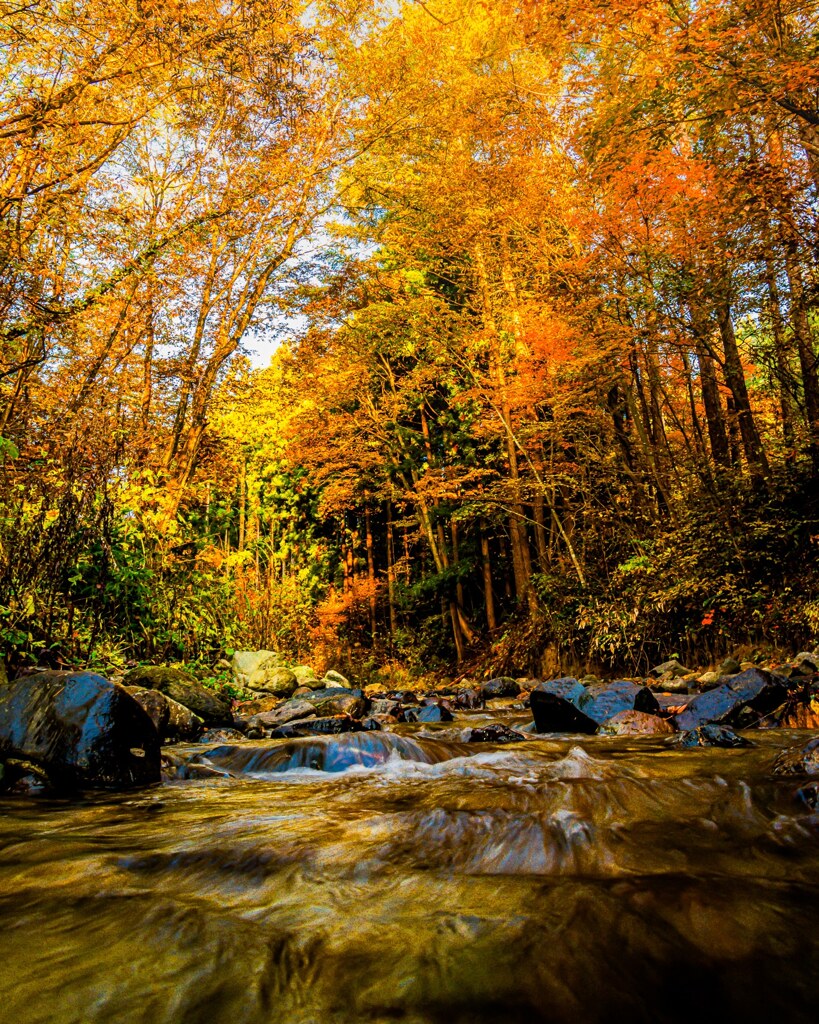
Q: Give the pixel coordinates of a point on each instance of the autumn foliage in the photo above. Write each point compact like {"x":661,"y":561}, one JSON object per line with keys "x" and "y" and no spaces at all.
{"x":543,"y":281}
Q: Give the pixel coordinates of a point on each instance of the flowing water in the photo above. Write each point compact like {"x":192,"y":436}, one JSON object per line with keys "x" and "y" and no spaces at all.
{"x":380,"y":878}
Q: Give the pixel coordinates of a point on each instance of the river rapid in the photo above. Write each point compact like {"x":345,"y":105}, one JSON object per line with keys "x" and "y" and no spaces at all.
{"x":409,"y":877}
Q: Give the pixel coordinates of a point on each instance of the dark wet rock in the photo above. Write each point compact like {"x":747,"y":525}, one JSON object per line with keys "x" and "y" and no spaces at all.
{"x":635,"y":723}
{"x":81,"y":729}
{"x":379,"y":720}
{"x":292,"y":711}
{"x":601,"y":701}
{"x":467,"y":700}
{"x":434,"y":713}
{"x":23,"y":778}
{"x":672,"y":668}
{"x":729,"y":667}
{"x":809,"y":795}
{"x":173,"y":721}
{"x":754,"y":688}
{"x":801,"y":760}
{"x":555,"y":707}
{"x":503,"y":686}
{"x":385,"y":707}
{"x":403,"y":696}
{"x":711,"y":736}
{"x":221,"y":736}
{"x":317,"y":727}
{"x":495,"y":733}
{"x":565,"y":705}
{"x":327,"y":703}
{"x":212,"y":707}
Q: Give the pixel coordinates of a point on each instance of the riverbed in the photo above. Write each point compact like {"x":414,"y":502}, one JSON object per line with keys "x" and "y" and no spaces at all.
{"x":577,"y":879}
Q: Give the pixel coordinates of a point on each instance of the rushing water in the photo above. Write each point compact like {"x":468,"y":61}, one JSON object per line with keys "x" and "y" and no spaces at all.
{"x":372,"y":878}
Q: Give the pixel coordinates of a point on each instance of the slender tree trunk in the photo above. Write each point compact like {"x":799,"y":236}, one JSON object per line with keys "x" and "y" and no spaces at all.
{"x":391,"y":570}
{"x":370,"y":569}
{"x":735,"y":379}
{"x":488,"y":596}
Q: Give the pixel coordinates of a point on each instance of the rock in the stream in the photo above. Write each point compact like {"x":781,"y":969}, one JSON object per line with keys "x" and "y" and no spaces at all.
{"x":433,"y":713}
{"x":212,"y":707}
{"x":328,"y":726}
{"x":292,"y":711}
{"x":673,"y":668}
{"x":468,"y":700}
{"x":503,"y":686}
{"x":565,"y":705}
{"x":81,"y":729}
{"x":221,"y":736}
{"x":337,"y":701}
{"x":602,"y":701}
{"x":555,"y":707}
{"x":635,"y":723}
{"x":495,"y":733}
{"x":711,"y":736}
{"x":754,"y":688}
{"x":173,"y":721}
{"x":801,"y":760}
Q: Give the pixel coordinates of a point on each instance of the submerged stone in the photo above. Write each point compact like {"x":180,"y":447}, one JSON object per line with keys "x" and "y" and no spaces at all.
{"x":712,"y":736}
{"x":802,"y":760}
{"x":82,"y":729}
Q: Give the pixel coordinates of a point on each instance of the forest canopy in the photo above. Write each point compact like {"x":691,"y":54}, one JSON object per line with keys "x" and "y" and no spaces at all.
{"x":540,"y":283}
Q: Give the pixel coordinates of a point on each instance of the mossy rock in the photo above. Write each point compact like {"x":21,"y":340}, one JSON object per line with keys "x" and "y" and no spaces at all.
{"x":212,"y":707}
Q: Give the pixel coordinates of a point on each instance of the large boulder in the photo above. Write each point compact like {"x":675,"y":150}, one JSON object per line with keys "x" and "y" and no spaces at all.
{"x":212,"y":707}
{"x":602,"y":701}
{"x":565,"y":705}
{"x":292,"y":711}
{"x":173,"y":721}
{"x":333,"y":678}
{"x":246,"y":664}
{"x":82,"y":729}
{"x":755,"y":689}
{"x":272,"y":679}
{"x":555,"y":707}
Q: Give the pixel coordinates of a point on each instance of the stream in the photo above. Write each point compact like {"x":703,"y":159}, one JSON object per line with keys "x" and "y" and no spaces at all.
{"x":379,"y":877}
